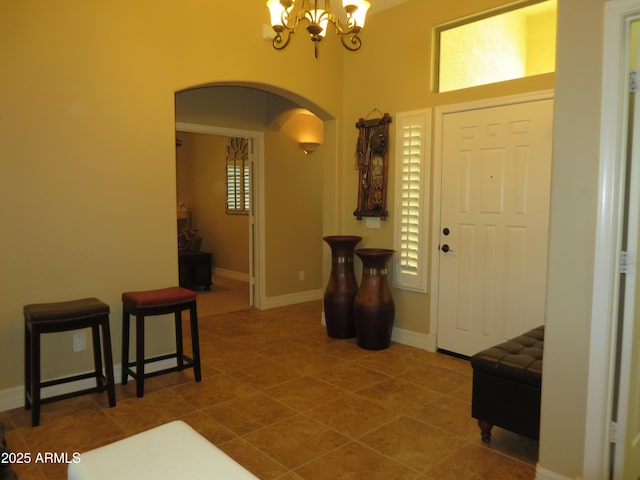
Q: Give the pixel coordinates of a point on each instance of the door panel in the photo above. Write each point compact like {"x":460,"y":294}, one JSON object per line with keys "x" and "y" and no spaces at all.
{"x":495,"y":203}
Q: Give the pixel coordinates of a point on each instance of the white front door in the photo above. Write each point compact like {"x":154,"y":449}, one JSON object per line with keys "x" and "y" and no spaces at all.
{"x":494,"y":213}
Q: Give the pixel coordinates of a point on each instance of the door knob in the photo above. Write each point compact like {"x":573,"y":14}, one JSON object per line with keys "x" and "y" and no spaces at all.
{"x":445,"y":248}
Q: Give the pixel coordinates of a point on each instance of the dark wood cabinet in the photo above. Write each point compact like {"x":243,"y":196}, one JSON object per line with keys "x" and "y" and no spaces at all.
{"x":195,"y":269}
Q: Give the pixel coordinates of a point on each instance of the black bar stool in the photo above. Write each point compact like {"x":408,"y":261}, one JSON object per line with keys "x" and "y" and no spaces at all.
{"x":158,"y":302}
{"x":41,"y":318}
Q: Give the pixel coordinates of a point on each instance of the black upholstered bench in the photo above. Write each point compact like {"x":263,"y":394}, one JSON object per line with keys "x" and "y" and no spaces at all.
{"x":506,"y":385}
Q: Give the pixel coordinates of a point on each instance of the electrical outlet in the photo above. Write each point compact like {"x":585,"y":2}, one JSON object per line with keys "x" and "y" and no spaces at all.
{"x":372,"y":222}
{"x":301,"y":275}
{"x":79,"y":342}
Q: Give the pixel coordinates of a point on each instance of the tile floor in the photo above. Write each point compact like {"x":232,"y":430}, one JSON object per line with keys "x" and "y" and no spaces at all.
{"x":287,"y":402}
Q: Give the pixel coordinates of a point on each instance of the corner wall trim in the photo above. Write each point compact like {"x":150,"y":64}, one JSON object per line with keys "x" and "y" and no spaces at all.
{"x":544,"y":474}
{"x":414,"y":339}
{"x":243,"y":277}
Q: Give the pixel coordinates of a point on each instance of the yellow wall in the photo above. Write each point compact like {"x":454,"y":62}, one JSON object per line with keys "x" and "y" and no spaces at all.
{"x":541,"y":41}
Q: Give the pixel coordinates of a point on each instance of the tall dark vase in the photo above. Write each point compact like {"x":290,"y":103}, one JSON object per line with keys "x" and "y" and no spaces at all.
{"x":374,"y":309}
{"x":342,"y":287}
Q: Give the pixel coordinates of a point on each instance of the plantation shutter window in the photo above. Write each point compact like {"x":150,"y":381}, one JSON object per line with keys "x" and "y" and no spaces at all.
{"x":413,"y":146}
{"x":238,"y":179}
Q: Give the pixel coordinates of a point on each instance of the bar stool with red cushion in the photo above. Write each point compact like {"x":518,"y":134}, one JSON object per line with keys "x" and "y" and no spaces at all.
{"x":41,"y":318}
{"x":158,"y":302}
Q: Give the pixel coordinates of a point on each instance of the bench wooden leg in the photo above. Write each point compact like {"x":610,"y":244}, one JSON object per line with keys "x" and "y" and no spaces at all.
{"x":485,"y":430}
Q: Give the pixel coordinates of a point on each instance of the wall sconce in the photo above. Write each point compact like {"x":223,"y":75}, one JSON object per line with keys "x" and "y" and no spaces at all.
{"x":305,"y":128}
{"x":309,"y":147}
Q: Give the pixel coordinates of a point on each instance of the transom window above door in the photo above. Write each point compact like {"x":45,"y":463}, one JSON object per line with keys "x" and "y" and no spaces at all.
{"x":515,"y":42}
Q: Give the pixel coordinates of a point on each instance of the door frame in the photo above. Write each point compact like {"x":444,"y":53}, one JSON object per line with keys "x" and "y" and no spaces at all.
{"x":256,"y":213}
{"x":440,"y":113}
{"x":610,"y":217}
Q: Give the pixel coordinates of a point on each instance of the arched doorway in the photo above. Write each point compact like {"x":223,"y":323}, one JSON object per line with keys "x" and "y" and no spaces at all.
{"x":287,"y":188}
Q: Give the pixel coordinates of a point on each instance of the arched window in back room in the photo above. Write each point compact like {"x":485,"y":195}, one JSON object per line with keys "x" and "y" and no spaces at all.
{"x":516,"y":42}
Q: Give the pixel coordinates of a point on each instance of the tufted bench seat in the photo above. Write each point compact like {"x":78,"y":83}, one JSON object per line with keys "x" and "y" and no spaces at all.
{"x":506,"y":385}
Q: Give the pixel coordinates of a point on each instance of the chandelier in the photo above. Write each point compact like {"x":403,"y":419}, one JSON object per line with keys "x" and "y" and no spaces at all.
{"x":286,"y":15}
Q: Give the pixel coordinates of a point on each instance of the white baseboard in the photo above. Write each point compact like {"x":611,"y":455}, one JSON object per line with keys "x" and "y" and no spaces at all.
{"x":11,"y":398}
{"x":291,"y":299}
{"x":414,"y":339}
{"x":244,"y":277}
{"x":544,"y":474}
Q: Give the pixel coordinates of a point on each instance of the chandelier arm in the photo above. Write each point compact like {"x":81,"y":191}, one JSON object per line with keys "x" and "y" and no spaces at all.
{"x":351,"y":28}
{"x":352,"y":43}
{"x":281,"y":41}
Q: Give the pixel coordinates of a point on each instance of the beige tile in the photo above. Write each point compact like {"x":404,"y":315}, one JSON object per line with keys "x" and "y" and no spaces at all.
{"x":355,"y":461}
{"x":151,"y":385}
{"x":185,"y":376}
{"x":464,"y":391}
{"x":386,"y":361}
{"x":245,"y":414}
{"x":31,"y":471}
{"x":135,"y":415}
{"x":305,"y":393}
{"x":477,"y":463}
{"x":399,"y":395}
{"x":450,"y":415}
{"x":346,"y":349}
{"x":227,"y":357}
{"x":52,"y":471}
{"x":296,"y":441}
{"x":352,"y":415}
{"x":70,"y":433}
{"x":434,"y":377}
{"x":289,"y":476}
{"x":209,"y":428}
{"x":266,"y":374}
{"x":58,"y":409}
{"x":310,"y":361}
{"x":277,"y":349}
{"x":257,"y":462}
{"x":212,"y":390}
{"x":350,"y":377}
{"x":413,"y":443}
